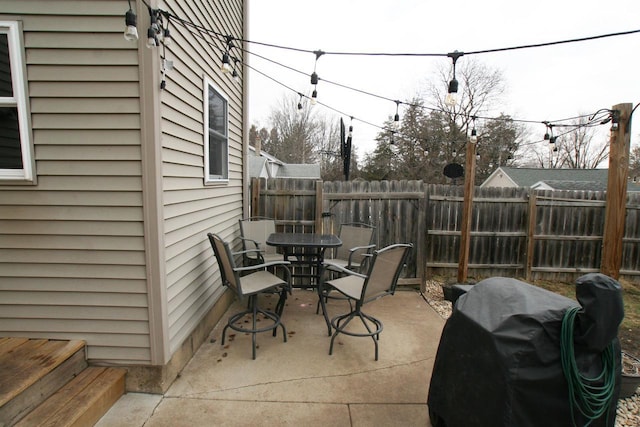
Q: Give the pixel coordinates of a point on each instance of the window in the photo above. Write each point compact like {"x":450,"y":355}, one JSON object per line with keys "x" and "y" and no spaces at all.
{"x":216,"y":134}
{"x":15,"y":141}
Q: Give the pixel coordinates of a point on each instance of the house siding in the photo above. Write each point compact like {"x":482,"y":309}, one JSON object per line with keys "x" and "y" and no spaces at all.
{"x":63,"y":272}
{"x":88,"y":253}
{"x":72,"y":255}
{"x":190,"y":208}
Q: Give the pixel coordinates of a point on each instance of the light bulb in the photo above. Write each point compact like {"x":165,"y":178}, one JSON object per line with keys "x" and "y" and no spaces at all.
{"x":226,"y":66}
{"x":166,"y":38}
{"x":451,"y":99}
{"x":314,"y":97}
{"x":396,"y":121}
{"x":235,"y":75}
{"x":151,"y":38}
{"x":130,"y":31}
{"x":350,"y":134}
{"x":474,"y":136}
{"x":452,"y":93}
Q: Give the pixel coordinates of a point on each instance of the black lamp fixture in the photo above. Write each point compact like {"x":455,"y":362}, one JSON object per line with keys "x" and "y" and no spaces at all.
{"x":315,"y":78}
{"x":452,"y":91}
{"x":474,"y":134}
{"x":131,"y":22}
{"x":300,"y":103}
{"x":396,"y":118}
{"x":225,"y":67}
{"x":615,"y":120}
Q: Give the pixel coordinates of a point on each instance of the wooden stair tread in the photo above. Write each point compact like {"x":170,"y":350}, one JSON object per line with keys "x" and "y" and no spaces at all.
{"x":25,"y":362}
{"x":80,"y":402}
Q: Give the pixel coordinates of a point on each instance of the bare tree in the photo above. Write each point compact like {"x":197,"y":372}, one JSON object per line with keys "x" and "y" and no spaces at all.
{"x":429,"y":138}
{"x":576,"y":147}
{"x":634,"y":163}
{"x":578,"y":150}
{"x":303,"y":135}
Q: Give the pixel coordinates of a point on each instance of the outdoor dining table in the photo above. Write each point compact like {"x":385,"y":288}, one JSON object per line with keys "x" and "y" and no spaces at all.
{"x":306,"y":250}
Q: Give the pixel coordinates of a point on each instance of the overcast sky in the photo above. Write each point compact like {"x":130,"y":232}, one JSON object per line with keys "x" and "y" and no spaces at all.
{"x":546,"y":83}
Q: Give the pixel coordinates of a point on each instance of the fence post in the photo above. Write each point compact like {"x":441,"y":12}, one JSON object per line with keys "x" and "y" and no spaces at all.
{"x":467,"y":209}
{"x":615,"y":209}
{"x":531,"y":232}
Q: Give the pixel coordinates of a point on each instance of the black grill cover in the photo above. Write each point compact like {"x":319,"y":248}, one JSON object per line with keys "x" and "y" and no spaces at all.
{"x":498,"y":361}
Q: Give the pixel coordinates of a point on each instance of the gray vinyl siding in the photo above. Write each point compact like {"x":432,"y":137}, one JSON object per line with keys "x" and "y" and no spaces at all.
{"x":72,"y":251}
{"x":192,"y":209}
{"x":73,"y":261}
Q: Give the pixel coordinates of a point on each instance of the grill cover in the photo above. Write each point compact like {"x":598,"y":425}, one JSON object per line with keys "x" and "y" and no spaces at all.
{"x":498,"y":361}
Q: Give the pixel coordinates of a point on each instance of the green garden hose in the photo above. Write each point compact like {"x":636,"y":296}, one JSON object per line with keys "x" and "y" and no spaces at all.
{"x":591,"y":396}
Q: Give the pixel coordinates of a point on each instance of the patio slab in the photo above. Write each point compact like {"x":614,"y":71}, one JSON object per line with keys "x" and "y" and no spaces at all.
{"x":298,"y":381}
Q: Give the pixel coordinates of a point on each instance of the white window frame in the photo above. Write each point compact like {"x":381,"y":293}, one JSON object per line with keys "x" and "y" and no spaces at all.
{"x":210,"y":178}
{"x":13,"y":30}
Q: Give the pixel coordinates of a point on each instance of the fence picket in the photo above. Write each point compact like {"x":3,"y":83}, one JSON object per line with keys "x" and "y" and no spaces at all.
{"x":561,"y":242}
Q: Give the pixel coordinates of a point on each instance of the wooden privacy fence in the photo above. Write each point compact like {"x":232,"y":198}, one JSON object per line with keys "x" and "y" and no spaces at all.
{"x":515,"y":232}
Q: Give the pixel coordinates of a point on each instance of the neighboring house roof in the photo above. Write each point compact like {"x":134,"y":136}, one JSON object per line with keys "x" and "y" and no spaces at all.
{"x":267,"y":166}
{"x":258,"y":167}
{"x":554,"y":184}
{"x":551,"y":179}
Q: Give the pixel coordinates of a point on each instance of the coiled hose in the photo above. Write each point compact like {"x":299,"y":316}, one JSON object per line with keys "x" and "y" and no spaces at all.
{"x":591,"y":396}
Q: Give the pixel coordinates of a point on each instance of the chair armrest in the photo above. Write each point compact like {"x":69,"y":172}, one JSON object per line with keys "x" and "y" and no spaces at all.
{"x":262,"y":266}
{"x":248,"y":251}
{"x":347,"y":271}
{"x":354,"y":250}
{"x":358,"y":248}
{"x":246,"y":239}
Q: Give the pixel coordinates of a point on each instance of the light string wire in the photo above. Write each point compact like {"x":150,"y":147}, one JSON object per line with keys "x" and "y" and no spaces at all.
{"x":227,"y":39}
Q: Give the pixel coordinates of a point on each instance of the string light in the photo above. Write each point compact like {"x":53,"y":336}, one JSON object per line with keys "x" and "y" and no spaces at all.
{"x":152,"y":39}
{"x":474,"y":134}
{"x":452,"y":91}
{"x":615,"y":120}
{"x":315,"y":78}
{"x":166,"y":36}
{"x":453,"y":84}
{"x":396,"y":118}
{"x":226,"y":65}
{"x":131,"y":22}
{"x":300,"y":103}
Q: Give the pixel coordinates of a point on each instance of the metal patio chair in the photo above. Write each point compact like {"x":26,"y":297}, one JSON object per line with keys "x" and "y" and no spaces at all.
{"x":381,"y":279}
{"x":253,"y":233}
{"x":256,"y":280}
{"x":355,"y":252}
{"x":357,"y":245}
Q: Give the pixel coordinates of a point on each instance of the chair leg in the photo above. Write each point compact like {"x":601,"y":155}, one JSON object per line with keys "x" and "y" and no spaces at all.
{"x":337,"y":323}
{"x":253,"y":310}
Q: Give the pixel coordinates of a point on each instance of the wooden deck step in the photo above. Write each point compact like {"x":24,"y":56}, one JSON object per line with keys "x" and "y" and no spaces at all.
{"x":31,"y":370}
{"x":81,"y":402}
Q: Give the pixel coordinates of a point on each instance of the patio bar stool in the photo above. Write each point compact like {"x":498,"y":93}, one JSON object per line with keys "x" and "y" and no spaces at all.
{"x":380,"y":280}
{"x":257,"y":280}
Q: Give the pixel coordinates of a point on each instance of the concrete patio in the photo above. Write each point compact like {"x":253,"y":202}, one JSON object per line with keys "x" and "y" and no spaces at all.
{"x":298,"y":382}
